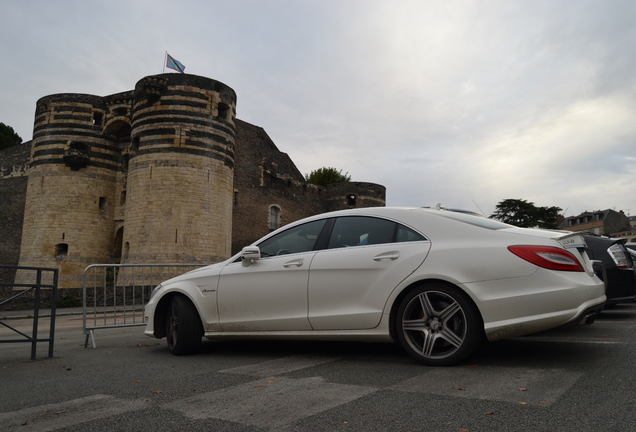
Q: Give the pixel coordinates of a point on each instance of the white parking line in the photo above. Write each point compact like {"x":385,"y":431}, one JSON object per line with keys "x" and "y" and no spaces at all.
{"x":64,"y":414}
{"x":515,"y":385}
{"x":608,"y":321}
{"x":279,"y":366}
{"x":270,"y":402}
{"x":570,"y":341}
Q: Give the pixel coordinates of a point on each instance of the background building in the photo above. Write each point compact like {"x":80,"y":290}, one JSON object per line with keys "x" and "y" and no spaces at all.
{"x":164,"y":173}
{"x":601,"y":222}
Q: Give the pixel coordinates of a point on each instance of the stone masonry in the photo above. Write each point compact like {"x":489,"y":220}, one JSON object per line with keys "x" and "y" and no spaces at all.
{"x":164,"y":173}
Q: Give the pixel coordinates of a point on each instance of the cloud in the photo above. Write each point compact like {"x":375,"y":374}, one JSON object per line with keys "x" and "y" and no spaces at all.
{"x":460,"y":102}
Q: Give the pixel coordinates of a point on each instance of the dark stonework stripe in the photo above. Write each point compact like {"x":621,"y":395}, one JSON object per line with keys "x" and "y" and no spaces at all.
{"x":190,"y":94}
{"x":225,"y":126}
{"x":222,"y":125}
{"x":72,"y":117}
{"x":182,"y":103}
{"x":190,"y":134}
{"x":63,"y":129}
{"x":72,"y":126}
{"x":170,"y":113}
{"x":110,"y":148}
{"x":59,"y":151}
{"x":159,"y":131}
{"x":60,"y":161}
{"x":157,"y":141}
{"x":205,"y":145}
{"x":181,"y":150}
{"x":104,"y":156}
{"x":182,"y":121}
{"x":48,"y":152}
{"x":200,"y":144}
{"x":218,"y":141}
{"x":62,"y":108}
{"x":208,"y":135}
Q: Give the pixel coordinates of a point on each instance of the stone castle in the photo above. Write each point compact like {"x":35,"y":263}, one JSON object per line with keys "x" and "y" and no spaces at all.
{"x":164,"y":173}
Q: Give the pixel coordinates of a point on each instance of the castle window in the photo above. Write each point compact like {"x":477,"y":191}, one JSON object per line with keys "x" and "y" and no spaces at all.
{"x":351,"y":199}
{"x":117,"y":250}
{"x":134,"y":145}
{"x":223,"y":109}
{"x":77,"y":155}
{"x":102,"y":206}
{"x":124,"y":162}
{"x":122,"y":198}
{"x":98,"y":117}
{"x":61,"y":250}
{"x":274,"y":217}
{"x":120,"y":112}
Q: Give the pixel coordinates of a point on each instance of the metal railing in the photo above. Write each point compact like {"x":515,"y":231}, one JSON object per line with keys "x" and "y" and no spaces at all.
{"x":35,"y":287}
{"x":115,"y":294}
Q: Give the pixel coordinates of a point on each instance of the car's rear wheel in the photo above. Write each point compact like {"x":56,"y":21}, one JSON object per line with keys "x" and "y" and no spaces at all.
{"x":438,"y":325}
{"x":183,"y":327}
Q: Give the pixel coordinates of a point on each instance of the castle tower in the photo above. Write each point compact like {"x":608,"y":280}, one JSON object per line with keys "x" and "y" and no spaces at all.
{"x":70,"y":202}
{"x":179,"y":185}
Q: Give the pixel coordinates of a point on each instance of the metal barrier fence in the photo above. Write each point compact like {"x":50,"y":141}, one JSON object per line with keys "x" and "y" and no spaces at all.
{"x":115,"y":294}
{"x":37,"y":288}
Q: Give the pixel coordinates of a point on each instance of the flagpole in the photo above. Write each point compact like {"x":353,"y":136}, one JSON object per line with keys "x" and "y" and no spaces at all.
{"x":165,"y":58}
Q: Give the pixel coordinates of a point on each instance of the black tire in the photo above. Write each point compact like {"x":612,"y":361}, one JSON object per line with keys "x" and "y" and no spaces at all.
{"x":183,"y":327}
{"x":437,"y":325}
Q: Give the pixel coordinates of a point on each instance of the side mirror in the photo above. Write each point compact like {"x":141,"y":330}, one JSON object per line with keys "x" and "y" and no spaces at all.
{"x":250,"y":254}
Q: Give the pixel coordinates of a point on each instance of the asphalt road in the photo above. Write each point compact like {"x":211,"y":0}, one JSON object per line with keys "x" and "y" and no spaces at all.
{"x":566,"y":379}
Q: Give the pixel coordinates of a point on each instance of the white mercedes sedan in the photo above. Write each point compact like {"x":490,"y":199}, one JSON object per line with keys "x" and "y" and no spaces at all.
{"x":437,"y":282}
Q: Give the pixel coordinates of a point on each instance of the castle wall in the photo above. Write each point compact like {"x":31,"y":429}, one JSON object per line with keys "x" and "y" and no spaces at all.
{"x":164,"y":173}
{"x":354,"y":195}
{"x":265,"y":178}
{"x":14,"y":163}
{"x":180,"y":171}
{"x":68,"y":219}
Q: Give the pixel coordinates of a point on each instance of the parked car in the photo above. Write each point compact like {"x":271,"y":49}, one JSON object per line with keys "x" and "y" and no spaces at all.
{"x":437,"y":282}
{"x":619,"y":268}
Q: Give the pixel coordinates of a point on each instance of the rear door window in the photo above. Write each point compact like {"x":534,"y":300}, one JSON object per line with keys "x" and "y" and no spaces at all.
{"x":354,"y":231}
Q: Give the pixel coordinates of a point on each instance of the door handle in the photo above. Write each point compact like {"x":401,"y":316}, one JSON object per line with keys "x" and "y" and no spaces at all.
{"x":297,"y":263}
{"x":393,"y":255}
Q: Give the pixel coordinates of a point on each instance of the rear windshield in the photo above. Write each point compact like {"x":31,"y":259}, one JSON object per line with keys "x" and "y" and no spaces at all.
{"x":475,"y":220}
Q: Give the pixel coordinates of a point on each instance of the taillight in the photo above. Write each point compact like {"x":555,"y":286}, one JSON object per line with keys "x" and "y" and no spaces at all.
{"x":619,"y":256}
{"x":548,"y":257}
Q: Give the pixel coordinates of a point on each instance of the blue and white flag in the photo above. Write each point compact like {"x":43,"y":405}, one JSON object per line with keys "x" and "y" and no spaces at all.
{"x":173,"y":63}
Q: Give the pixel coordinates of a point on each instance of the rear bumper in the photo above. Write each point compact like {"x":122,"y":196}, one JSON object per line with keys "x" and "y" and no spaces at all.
{"x":589,"y":315}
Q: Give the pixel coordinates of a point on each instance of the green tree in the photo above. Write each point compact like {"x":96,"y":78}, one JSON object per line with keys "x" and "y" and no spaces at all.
{"x":326,"y":175}
{"x":525,"y":214}
{"x":8,"y":137}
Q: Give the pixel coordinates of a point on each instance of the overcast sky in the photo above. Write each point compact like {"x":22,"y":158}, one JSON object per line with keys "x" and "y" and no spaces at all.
{"x":463,"y":103}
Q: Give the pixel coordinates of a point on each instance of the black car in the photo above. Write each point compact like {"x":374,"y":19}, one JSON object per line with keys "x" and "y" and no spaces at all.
{"x":619,"y":274}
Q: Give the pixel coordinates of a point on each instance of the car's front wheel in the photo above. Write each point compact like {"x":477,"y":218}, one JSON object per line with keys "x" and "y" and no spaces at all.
{"x":183,"y":327}
{"x":438,"y":325}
